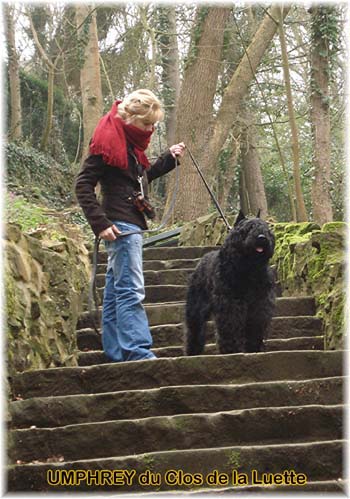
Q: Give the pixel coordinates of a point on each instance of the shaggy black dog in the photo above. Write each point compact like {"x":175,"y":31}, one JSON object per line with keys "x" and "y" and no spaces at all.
{"x":235,"y":285}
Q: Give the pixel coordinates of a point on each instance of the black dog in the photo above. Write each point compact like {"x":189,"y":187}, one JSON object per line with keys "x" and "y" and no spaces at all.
{"x":235,"y":285}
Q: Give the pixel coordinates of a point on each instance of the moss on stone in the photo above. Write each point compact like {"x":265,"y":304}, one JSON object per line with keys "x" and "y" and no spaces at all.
{"x":148,"y":461}
{"x":234,"y":459}
{"x":46,"y":282}
{"x":310,"y":260}
{"x":340,"y":227}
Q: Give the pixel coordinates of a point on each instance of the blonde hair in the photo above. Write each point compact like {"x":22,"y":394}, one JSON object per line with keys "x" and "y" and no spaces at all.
{"x":141,"y":105}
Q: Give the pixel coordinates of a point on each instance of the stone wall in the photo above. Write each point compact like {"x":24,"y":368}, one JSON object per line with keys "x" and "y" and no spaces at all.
{"x":46,"y":281}
{"x":309,"y":259}
{"x":208,"y":230}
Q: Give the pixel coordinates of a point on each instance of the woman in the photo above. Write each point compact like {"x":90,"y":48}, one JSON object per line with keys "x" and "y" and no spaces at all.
{"x":117,"y":160}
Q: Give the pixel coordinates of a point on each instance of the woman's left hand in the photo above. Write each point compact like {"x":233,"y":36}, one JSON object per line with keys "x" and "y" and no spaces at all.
{"x":177,"y":149}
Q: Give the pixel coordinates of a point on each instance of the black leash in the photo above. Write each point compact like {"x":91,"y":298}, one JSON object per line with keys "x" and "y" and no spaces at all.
{"x":93,"y":296}
{"x":212,"y":195}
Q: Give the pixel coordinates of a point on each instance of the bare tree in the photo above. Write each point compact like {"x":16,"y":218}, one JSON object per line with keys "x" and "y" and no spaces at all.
{"x":252,"y":189}
{"x":320,"y":113}
{"x":195,"y":125}
{"x":253,"y":183}
{"x":195,"y":107}
{"x":15,"y":127}
{"x":300,"y":204}
{"x":148,"y":28}
{"x":51,"y":66}
{"x":90,"y":76}
{"x":237,"y":88}
{"x":168,"y":44}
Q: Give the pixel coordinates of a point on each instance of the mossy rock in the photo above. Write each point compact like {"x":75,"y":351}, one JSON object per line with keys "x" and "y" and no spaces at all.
{"x":340,"y":227}
{"x":46,"y":281}
{"x":295,"y":228}
{"x":310,"y":260}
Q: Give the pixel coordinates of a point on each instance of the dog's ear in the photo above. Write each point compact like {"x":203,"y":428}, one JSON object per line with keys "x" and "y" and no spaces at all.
{"x":239,"y":218}
{"x":258,"y":214}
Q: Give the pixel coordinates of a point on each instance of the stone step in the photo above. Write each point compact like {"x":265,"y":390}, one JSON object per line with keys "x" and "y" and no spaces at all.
{"x":169,"y":293}
{"x":173,"y":312}
{"x":174,"y":276}
{"x":157,"y":293}
{"x":191,"y":431}
{"x":179,"y":252}
{"x":159,"y":265}
{"x":77,"y":409}
{"x":155,"y":266}
{"x":202,"y":370}
{"x":172,"y":334}
{"x":167,"y":253}
{"x":94,"y":357}
{"x":319,"y":461}
{"x":327,"y":486}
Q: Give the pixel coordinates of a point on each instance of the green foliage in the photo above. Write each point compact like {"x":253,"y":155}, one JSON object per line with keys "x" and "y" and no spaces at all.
{"x":36,"y":176}
{"x":20,"y":211}
{"x":325,"y":37}
{"x":65,"y":131}
{"x":325,"y":26}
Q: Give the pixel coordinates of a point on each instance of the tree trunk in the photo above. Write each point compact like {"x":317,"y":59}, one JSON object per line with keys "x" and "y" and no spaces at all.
{"x":238,"y":86}
{"x":49,"y":113}
{"x":90,"y":76}
{"x":170,"y":66}
{"x":300,"y":204}
{"x":196,"y":107}
{"x":251,"y":172}
{"x":320,"y":117}
{"x":15,"y":128}
{"x":225,"y":179}
{"x":252,"y":192}
{"x":152,"y":60}
{"x":243,"y":194}
{"x":51,"y":67}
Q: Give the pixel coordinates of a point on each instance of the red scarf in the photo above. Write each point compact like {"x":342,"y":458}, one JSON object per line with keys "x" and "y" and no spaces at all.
{"x":112,"y":136}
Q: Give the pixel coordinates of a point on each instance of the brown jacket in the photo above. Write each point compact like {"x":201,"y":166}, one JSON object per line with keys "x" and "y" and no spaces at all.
{"x":117,"y":187}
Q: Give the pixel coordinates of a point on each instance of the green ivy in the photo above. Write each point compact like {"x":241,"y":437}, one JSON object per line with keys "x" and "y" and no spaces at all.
{"x":35,"y":175}
{"x":20,"y":211}
{"x":34,"y":109}
{"x":325,"y":27}
{"x":82,"y":41}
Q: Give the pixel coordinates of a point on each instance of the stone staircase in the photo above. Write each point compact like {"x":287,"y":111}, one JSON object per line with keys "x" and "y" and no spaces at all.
{"x":270,"y":412}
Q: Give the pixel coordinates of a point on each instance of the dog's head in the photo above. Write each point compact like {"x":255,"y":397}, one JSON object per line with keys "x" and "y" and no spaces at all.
{"x":252,"y":238}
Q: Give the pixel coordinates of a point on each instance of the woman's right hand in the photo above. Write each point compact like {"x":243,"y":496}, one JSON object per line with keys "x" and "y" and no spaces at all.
{"x":110,"y":234}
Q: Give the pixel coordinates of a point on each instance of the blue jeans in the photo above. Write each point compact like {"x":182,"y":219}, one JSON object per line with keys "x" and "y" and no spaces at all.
{"x":125,"y":329}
